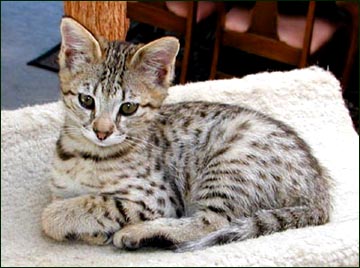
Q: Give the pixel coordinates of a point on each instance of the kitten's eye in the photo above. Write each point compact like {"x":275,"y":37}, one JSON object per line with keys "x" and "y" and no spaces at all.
{"x":128,"y":108}
{"x":86,"y":101}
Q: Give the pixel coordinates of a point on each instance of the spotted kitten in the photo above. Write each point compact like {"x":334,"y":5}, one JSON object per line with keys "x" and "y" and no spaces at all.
{"x":133,"y":172}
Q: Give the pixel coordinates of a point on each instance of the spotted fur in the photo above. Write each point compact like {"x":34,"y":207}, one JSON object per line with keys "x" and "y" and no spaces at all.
{"x":184,"y":176}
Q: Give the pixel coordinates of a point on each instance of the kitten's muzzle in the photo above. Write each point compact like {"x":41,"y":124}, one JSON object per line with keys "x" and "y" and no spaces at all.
{"x":103,"y":127}
{"x":102,"y":135}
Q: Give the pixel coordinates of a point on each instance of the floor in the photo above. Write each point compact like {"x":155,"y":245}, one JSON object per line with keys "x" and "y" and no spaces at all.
{"x":28,"y":29}
{"x":24,"y":37}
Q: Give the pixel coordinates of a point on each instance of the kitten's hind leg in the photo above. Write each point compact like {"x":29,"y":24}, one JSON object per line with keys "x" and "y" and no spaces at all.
{"x":169,"y":232}
{"x":92,"y":219}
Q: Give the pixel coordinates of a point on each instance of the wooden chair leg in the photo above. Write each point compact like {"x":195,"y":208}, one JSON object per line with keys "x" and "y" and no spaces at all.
{"x":349,"y":62}
{"x":218,"y":36}
{"x":353,"y":47}
{"x":215,"y":57}
{"x":191,"y":20}
{"x":185,"y":62}
{"x":308,"y":35}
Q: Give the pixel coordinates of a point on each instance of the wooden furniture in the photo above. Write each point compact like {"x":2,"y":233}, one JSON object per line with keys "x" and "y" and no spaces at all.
{"x":352,"y":8}
{"x":263,"y":31}
{"x":157,"y":14}
{"x":111,"y":18}
{"x":102,"y":18}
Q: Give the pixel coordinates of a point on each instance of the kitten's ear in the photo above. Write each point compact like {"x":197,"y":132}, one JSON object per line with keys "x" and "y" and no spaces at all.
{"x":78,"y":45}
{"x":157,"y":59}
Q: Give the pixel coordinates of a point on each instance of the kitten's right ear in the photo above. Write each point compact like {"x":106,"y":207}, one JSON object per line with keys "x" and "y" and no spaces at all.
{"x":78,"y":45}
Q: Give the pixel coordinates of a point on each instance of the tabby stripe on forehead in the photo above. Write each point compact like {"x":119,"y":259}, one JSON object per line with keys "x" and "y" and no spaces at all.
{"x":114,"y":66}
{"x":123,"y":94}
{"x":96,"y":86}
{"x":121,"y":62}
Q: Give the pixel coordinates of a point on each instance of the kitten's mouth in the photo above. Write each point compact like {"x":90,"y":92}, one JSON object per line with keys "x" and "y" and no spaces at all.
{"x":101,"y":143}
{"x":109,"y":141}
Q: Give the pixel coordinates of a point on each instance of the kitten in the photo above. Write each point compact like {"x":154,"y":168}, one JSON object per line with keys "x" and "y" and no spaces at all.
{"x":133,"y":172}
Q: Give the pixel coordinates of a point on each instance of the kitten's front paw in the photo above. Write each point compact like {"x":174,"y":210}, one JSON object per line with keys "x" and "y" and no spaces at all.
{"x":71,"y":220}
{"x":136,"y":236}
{"x":126,"y":238}
{"x":53,"y":225}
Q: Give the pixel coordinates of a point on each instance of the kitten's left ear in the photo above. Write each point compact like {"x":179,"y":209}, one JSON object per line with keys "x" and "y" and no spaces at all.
{"x":157,"y":59}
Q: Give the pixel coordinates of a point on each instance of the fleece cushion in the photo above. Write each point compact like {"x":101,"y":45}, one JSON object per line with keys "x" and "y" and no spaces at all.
{"x":309,"y":100}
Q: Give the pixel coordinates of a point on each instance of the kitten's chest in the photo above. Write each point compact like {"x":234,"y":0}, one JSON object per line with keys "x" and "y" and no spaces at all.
{"x":80,"y":177}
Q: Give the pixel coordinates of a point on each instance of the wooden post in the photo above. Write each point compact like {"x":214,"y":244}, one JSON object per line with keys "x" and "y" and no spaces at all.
{"x":102,"y":18}
{"x":353,"y":9}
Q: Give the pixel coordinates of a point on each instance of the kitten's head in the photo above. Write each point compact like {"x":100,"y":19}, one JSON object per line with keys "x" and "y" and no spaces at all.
{"x":111,"y":90}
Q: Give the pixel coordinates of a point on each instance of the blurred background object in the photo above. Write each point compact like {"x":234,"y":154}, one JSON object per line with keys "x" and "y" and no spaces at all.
{"x":28,"y":29}
{"x":30,"y":34}
{"x":179,"y":17}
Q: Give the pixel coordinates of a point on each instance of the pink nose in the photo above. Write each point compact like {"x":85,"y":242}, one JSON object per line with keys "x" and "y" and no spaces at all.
{"x":102,"y":135}
{"x":103,"y":126}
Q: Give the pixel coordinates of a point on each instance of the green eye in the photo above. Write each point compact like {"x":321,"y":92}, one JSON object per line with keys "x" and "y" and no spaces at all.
{"x":86,"y":101}
{"x":128,"y":108}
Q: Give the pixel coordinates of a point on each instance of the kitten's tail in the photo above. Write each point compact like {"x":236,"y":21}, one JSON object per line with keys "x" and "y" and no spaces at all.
{"x":262,"y":222}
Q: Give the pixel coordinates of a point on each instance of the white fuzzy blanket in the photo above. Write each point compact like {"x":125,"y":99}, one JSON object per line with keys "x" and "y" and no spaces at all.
{"x":307,"y":99}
